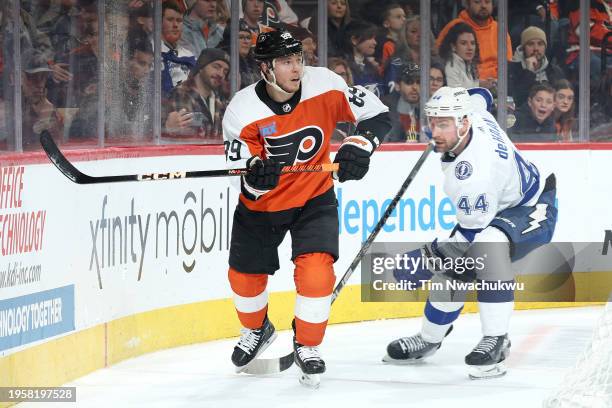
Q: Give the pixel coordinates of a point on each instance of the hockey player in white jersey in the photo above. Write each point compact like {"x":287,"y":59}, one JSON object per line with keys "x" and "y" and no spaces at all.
{"x":505,"y":206}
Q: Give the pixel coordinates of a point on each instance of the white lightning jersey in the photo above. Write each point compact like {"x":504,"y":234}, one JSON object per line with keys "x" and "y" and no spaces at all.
{"x":488,"y":176}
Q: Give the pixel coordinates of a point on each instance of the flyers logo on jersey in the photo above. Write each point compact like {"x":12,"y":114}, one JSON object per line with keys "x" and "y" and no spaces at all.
{"x":297,"y":147}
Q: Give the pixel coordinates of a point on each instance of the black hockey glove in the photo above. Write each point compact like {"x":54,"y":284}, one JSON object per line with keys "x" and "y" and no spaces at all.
{"x":262,"y":176}
{"x":353,"y":156}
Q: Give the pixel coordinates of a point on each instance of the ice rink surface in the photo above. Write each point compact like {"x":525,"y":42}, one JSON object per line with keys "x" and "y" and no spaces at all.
{"x":545,"y":344}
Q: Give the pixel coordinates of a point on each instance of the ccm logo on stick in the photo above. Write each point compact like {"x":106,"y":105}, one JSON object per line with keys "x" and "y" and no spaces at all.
{"x":162,"y":176}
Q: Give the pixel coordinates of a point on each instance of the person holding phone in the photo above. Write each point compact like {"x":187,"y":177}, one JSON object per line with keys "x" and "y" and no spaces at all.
{"x":195,"y":107}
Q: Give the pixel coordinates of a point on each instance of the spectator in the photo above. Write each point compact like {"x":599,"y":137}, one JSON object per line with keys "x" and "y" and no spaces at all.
{"x":129,"y":108}
{"x":52,"y":17}
{"x":249,"y":71}
{"x":340,"y":67}
{"x":565,"y":118}
{"x":601,"y":109}
{"x":253,"y":10}
{"x":404,"y":108}
{"x":69,"y":43}
{"x":38,"y":113}
{"x":31,"y":36}
{"x":530,"y":65}
{"x":177,"y":60}
{"x":142,"y":20}
{"x":309,"y":44}
{"x":393,"y":17}
{"x":200,"y":28}
{"x":195,"y":107}
{"x":601,"y":24}
{"x":437,"y":78}
{"x":361,"y":45}
{"x":338,"y":16}
{"x":478,"y":16}
{"x":535,"y":121}
{"x":131,"y":113}
{"x":459,"y":50}
{"x":223,"y":14}
{"x":526,"y":13}
{"x":277,"y":13}
{"x":407,"y":51}
{"x":82,"y":26}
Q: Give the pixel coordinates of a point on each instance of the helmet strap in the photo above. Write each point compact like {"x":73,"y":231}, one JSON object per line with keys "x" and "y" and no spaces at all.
{"x":460,"y":137}
{"x":273,"y":82}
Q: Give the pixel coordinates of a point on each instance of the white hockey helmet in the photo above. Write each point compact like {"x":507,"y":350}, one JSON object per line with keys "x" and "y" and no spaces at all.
{"x":454,"y":103}
{"x":450,"y":102}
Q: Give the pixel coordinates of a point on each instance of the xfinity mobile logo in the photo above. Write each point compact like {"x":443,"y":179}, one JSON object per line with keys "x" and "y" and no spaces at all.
{"x":122,"y":236}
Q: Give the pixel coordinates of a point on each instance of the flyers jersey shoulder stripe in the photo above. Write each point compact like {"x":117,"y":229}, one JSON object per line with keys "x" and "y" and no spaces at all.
{"x":296,"y":132}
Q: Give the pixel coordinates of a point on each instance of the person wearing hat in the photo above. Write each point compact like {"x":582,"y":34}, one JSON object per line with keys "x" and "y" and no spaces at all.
{"x":194,"y":108}
{"x":404,"y":108}
{"x":38,"y":113}
{"x":530,"y":66}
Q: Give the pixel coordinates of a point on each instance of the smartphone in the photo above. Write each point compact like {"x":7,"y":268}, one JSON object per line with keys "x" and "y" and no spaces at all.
{"x":197,"y":119}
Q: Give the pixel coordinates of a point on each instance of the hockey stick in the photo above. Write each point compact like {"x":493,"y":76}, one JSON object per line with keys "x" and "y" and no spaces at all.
{"x":276,"y":365}
{"x":61,"y":162}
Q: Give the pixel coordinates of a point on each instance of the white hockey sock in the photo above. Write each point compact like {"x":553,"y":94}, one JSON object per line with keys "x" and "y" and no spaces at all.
{"x":495,"y":317}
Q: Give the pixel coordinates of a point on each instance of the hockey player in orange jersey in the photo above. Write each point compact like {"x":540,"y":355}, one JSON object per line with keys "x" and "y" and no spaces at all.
{"x":288,"y":118}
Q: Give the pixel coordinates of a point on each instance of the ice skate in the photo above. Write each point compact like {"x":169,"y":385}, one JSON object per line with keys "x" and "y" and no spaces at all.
{"x":309,"y":360}
{"x":487,"y":359}
{"x":252,"y":343}
{"x":408,"y":350}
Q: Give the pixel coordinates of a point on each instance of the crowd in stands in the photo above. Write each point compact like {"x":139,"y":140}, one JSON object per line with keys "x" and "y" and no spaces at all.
{"x":372,"y":43}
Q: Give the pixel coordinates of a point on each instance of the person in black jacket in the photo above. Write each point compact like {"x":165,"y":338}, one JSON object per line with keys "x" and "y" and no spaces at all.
{"x":404,"y":109}
{"x":535,"y":120}
{"x":530,"y":65}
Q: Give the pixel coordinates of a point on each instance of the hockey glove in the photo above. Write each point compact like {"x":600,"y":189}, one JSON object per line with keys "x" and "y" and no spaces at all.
{"x":262,"y":176}
{"x":353,"y":156}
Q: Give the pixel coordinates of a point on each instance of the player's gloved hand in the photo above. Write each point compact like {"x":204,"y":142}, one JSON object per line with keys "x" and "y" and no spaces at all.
{"x":262,"y":176}
{"x":353,"y":156}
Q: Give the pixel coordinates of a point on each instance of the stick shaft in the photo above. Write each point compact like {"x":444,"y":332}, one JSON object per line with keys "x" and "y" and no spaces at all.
{"x":381,"y":222}
{"x":67,"y":169}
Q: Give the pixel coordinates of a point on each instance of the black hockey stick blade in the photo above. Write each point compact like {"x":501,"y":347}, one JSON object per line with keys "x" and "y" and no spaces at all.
{"x":59,"y":160}
{"x":276,"y":365}
{"x":67,"y":169}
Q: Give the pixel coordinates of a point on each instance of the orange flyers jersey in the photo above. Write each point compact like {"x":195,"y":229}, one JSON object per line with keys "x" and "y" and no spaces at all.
{"x":295,"y":132}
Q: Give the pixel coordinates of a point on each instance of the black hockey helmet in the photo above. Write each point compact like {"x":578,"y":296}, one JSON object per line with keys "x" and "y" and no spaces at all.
{"x":275,"y":44}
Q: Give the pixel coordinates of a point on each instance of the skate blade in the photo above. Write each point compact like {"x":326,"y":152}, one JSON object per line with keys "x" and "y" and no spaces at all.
{"x":312,"y":381}
{"x":488,"y":371}
{"x":261,"y":350}
{"x":408,"y":361}
{"x":411,"y":361}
